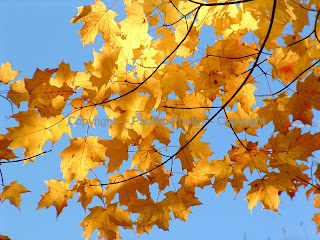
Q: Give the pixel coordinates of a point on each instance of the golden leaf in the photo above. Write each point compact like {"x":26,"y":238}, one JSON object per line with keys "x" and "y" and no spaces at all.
{"x":97,"y":19}
{"x":57,"y":195}
{"x":12,"y":192}
{"x":6,"y":73}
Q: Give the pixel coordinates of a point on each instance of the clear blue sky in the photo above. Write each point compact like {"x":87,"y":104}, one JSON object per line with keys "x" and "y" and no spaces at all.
{"x":38,"y":34}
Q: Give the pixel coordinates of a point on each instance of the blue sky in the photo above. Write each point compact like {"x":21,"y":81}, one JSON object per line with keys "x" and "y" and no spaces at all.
{"x":37,"y":34}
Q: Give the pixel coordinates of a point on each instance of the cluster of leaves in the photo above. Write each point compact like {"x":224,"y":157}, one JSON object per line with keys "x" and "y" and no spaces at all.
{"x":144,"y":69}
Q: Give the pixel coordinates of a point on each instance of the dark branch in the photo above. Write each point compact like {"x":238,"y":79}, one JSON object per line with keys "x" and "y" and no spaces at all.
{"x":219,"y":4}
{"x":20,"y":160}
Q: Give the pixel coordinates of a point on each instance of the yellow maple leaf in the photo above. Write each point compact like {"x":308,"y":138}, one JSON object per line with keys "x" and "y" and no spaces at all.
{"x":189,"y":46}
{"x":267,"y":191}
{"x":276,"y":110}
{"x":48,"y":99}
{"x":245,"y":96}
{"x":97,"y":19}
{"x":198,"y":177}
{"x":242,"y":121}
{"x":125,"y":111}
{"x":305,"y":99}
{"x":159,"y":175}
{"x":180,"y":202}
{"x":283,"y":63}
{"x":209,"y":80}
{"x":135,"y":27}
{"x":150,"y":214}
{"x":174,"y":79}
{"x":107,"y":221}
{"x":6,"y":73}
{"x":87,"y":114}
{"x":117,"y":151}
{"x":88,"y":188}
{"x":162,"y":134}
{"x":293,"y":145}
{"x":165,"y":45}
{"x":105,"y":64}
{"x":195,"y":149}
{"x":57,"y":195}
{"x":126,"y":190}
{"x":12,"y":192}
{"x":82,"y":155}
{"x":301,"y":19}
{"x":63,"y":75}
{"x":18,"y":92}
{"x":221,"y":170}
{"x":145,"y":156}
{"x":226,"y":55}
{"x":254,"y":157}
{"x":171,"y":13}
{"x":34,"y":131}
{"x":143,"y":126}
{"x":238,"y":178}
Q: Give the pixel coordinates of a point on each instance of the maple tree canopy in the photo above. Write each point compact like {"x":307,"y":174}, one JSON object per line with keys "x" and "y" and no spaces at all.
{"x":155,"y":77}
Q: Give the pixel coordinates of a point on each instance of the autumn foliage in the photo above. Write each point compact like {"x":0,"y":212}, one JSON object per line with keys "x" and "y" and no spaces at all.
{"x":155,"y":65}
